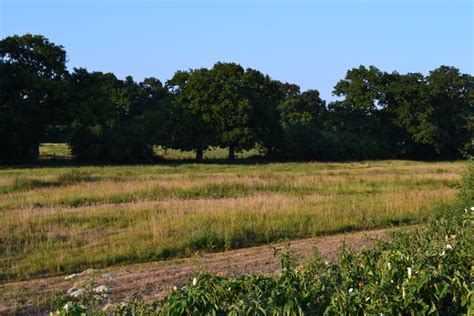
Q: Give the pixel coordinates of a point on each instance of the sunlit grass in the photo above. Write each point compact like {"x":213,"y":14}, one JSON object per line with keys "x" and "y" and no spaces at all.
{"x":55,"y":151}
{"x":58,"y":220}
{"x":63,"y":151}
{"x":212,"y":153}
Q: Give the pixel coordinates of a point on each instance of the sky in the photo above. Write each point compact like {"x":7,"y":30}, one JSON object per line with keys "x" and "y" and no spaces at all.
{"x":310,"y":43}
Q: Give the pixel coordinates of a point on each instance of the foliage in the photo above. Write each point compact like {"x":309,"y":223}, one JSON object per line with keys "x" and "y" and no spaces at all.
{"x":466,"y":193}
{"x":231,"y":110}
{"x":31,"y":93}
{"x":378,"y":115}
{"x":108,"y":120}
{"x":191,"y":125}
{"x":412,"y":115}
{"x":86,"y":295}
{"x":433,"y":111}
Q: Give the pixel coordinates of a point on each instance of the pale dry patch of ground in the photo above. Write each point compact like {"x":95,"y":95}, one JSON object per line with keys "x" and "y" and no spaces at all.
{"x":6,"y":181}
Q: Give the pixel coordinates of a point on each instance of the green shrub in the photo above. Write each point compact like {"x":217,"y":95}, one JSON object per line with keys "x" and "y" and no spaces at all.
{"x":467,"y":188}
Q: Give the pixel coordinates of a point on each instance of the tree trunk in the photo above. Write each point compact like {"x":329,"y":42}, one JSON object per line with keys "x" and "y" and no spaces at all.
{"x":231,"y":152}
{"x":199,"y":154}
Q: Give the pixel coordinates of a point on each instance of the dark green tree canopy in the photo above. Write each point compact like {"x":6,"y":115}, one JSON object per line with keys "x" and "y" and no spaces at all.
{"x":360,"y":89}
{"x":31,"y":70}
{"x":264,"y":95}
{"x":35,"y":55}
{"x":105,"y":119}
{"x":190,"y":109}
{"x":306,"y":108}
{"x":419,"y":117}
{"x":231,"y":108}
{"x":110,"y":117}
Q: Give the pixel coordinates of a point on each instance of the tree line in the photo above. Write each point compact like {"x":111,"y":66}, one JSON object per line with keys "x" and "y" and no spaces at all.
{"x":377,"y":115}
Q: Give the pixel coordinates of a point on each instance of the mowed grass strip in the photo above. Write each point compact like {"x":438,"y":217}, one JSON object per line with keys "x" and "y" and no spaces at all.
{"x":68,"y":219}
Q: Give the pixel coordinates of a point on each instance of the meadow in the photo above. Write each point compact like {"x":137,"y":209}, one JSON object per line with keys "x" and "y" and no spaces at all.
{"x":57,"y":220}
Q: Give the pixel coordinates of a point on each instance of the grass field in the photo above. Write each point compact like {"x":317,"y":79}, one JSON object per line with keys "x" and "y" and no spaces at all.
{"x":64,"y":219}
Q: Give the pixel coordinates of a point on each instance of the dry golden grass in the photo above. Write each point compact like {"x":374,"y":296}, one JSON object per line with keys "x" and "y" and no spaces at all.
{"x":58,"y":220}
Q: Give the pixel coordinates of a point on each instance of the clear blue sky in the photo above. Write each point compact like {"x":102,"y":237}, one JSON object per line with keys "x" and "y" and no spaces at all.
{"x":311,"y":43}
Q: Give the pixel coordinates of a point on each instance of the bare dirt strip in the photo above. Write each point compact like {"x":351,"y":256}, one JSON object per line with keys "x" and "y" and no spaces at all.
{"x":155,"y":279}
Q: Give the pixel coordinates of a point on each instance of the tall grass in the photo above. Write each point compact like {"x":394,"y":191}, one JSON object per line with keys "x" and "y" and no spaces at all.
{"x":59,"y":220}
